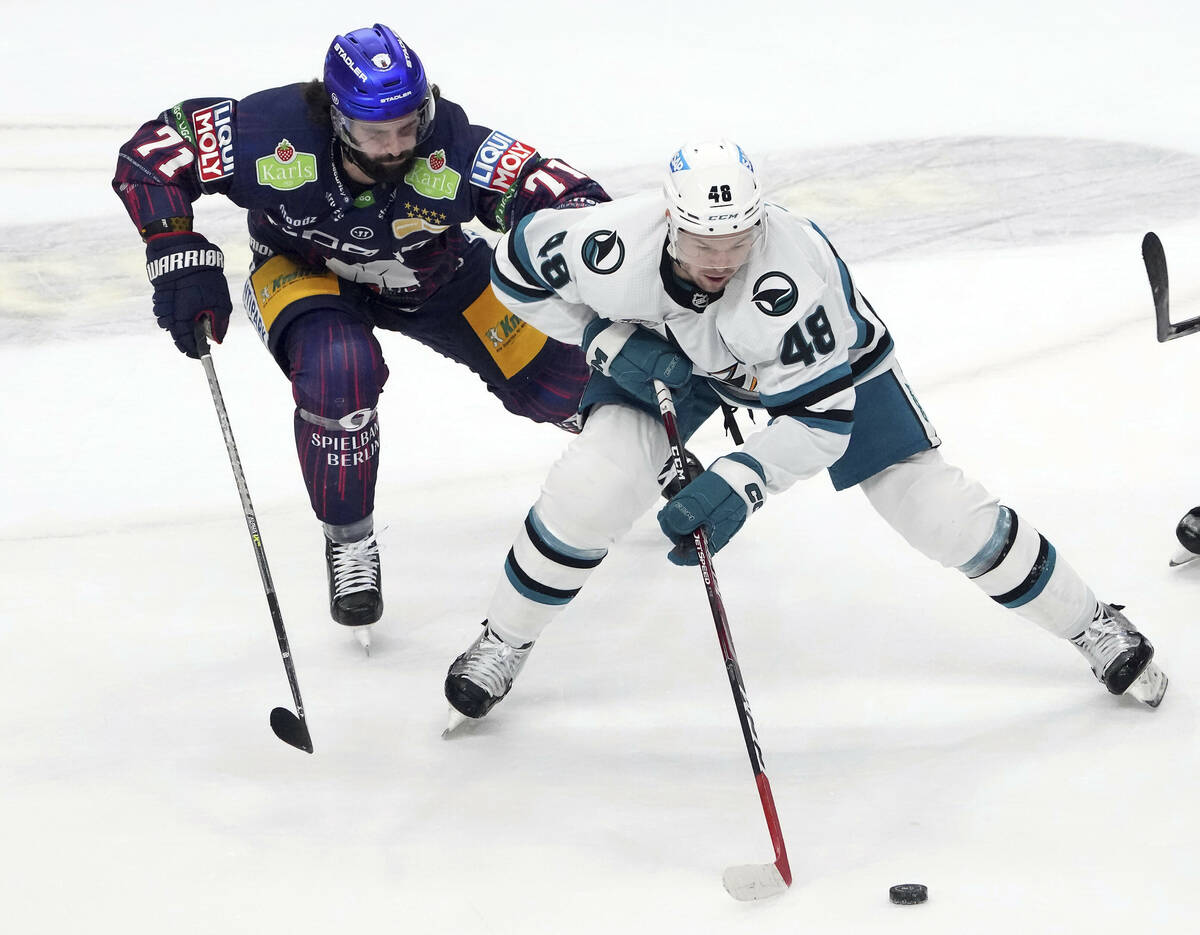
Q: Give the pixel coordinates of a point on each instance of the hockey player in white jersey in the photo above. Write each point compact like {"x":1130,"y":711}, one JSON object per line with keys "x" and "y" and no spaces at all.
{"x":721,"y":295}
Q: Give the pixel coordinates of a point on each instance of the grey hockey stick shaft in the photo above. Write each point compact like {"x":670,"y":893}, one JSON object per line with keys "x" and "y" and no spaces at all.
{"x":290,"y":728}
{"x":1155,"y":259}
{"x":747,"y":881}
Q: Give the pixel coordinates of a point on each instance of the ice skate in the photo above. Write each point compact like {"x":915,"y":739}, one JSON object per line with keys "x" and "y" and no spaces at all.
{"x":1121,"y":657}
{"x":355,"y":585}
{"x":481,"y":676}
{"x":1188,"y":534}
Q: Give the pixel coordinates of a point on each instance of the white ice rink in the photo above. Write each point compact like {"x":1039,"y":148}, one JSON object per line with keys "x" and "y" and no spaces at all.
{"x":986,"y":175}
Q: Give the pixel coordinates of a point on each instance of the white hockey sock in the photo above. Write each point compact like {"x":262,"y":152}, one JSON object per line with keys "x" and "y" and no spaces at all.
{"x":541,"y":576}
{"x":1019,"y":568}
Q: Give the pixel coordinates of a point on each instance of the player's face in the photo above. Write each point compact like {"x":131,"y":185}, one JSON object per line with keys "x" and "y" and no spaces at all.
{"x":386,"y":139}
{"x":383,"y":150}
{"x":710,"y":262}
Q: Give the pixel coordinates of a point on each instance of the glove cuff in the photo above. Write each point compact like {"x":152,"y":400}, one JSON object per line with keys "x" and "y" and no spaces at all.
{"x":603,"y":341}
{"x":180,"y":253}
{"x":746,"y":477}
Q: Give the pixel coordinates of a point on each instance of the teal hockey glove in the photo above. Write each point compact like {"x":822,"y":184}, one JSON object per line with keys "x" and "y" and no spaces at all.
{"x":720,"y":499}
{"x":633,"y":357}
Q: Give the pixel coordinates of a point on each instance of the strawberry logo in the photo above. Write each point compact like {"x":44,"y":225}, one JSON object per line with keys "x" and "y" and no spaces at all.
{"x":284,"y":151}
{"x":437,"y":161}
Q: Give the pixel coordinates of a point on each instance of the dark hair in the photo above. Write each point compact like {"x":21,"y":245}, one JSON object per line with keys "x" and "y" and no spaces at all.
{"x":318,"y":101}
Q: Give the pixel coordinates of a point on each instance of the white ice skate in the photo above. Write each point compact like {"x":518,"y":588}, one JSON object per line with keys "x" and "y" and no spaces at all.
{"x":481,"y":676}
{"x":1121,"y":657}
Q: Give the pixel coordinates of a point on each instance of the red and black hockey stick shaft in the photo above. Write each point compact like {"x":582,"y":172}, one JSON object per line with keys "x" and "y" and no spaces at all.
{"x":290,"y":728}
{"x":741,"y":701}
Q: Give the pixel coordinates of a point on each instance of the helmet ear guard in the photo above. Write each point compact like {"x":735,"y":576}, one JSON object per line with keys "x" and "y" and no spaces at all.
{"x":712,"y":190}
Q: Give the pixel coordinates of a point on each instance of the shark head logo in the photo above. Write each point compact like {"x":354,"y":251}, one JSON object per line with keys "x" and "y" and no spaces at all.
{"x":603,"y":252}
{"x":774,"y":294}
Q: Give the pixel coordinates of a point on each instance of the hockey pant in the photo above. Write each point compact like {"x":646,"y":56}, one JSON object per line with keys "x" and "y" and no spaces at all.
{"x":608,"y":477}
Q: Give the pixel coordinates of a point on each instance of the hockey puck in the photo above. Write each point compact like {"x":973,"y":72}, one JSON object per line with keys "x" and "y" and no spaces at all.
{"x":908,"y":894}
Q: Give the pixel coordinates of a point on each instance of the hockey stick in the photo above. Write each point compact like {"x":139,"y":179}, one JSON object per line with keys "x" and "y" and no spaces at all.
{"x":1156,"y":268}
{"x":745,"y":881}
{"x":288,"y":727}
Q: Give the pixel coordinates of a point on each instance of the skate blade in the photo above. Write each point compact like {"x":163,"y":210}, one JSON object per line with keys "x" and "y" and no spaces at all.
{"x":456,"y":720}
{"x":363,"y":635}
{"x":1149,"y":687}
{"x":1182,"y":556}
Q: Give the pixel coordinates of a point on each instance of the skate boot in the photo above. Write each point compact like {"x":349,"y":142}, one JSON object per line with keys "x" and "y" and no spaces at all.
{"x":1120,"y":657}
{"x":483,"y":675}
{"x":355,"y":586}
{"x":1188,"y":534}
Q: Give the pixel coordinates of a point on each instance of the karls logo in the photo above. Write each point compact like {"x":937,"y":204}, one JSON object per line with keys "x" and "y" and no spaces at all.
{"x":603,"y":252}
{"x":337,"y":47}
{"x":214,"y":140}
{"x":432,"y":177}
{"x":774,"y":294}
{"x":498,"y":161}
{"x":286,"y":169}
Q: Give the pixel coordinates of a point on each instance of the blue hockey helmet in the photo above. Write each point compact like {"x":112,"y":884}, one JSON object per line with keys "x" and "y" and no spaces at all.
{"x":373,"y":77}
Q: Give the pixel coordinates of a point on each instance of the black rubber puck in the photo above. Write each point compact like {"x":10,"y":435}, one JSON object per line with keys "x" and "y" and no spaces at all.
{"x":908,"y":894}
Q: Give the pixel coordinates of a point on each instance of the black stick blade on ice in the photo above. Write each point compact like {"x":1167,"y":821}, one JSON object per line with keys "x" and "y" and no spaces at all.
{"x":291,"y":729}
{"x":1155,"y":259}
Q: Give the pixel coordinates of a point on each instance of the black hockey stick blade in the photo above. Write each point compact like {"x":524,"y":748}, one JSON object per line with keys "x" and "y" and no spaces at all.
{"x":1155,"y":259}
{"x":291,"y":729}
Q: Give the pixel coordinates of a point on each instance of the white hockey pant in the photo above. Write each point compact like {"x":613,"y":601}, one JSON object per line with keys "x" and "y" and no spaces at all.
{"x":953,"y":520}
{"x":605,"y":480}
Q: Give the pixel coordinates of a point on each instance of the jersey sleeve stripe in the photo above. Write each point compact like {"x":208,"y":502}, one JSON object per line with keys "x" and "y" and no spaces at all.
{"x":866,"y":331}
{"x":515,"y":290}
{"x":828,"y":384}
{"x":518,"y":255}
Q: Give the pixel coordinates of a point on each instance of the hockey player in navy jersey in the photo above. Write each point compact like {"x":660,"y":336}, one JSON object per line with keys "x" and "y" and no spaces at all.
{"x":356,"y":187}
{"x":721,"y":295}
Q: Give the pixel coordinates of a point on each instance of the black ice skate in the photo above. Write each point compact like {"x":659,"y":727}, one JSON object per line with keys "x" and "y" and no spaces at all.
{"x":1120,"y":656}
{"x":355,"y":585}
{"x":1188,"y":534}
{"x":481,"y":676}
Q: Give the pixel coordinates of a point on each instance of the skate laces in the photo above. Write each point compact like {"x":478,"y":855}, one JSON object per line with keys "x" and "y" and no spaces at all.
{"x":1108,"y":635}
{"x":355,"y":565}
{"x":492,"y":664}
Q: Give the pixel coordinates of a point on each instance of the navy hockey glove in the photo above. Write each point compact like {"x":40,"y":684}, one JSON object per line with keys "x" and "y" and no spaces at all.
{"x":720,"y":499}
{"x":633,"y":357}
{"x":188,"y":275}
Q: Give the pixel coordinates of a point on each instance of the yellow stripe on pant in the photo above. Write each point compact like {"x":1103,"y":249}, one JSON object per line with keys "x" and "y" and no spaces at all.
{"x":513,"y":343}
{"x":281,"y":281}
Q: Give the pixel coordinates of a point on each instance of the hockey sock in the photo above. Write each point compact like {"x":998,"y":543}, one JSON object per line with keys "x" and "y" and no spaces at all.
{"x":339,"y":465}
{"x":541,"y":576}
{"x":1020,"y":569}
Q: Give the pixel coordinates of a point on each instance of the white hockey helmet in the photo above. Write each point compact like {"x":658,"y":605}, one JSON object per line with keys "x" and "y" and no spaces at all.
{"x":712,"y":190}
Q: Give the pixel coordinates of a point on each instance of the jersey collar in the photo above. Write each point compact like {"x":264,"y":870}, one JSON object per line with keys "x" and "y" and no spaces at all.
{"x":685,"y":294}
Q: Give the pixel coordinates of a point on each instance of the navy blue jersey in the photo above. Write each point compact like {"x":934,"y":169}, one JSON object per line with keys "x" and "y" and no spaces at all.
{"x":268,"y":154}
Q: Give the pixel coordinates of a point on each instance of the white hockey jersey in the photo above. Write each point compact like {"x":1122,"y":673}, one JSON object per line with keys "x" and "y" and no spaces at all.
{"x":788,"y":333}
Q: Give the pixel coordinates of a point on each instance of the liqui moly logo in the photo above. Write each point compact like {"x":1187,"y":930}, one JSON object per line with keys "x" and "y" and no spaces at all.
{"x":499,"y":161}
{"x":214,"y":140}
